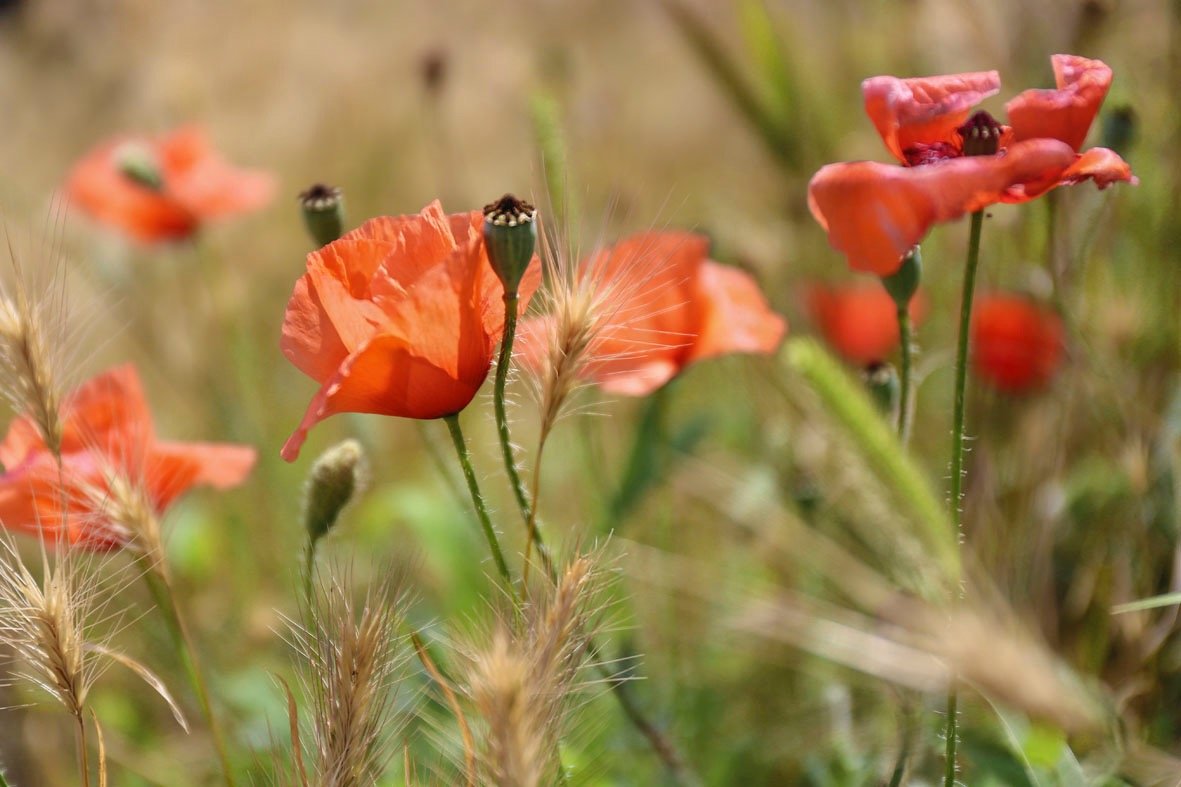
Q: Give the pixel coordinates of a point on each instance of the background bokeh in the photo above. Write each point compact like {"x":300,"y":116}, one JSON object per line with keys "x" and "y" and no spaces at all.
{"x":1072,"y":501}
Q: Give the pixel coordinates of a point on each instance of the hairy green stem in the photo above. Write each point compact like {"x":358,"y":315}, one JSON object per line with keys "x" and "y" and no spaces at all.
{"x":957,"y":457}
{"x":473,"y":488}
{"x":162,"y":594}
{"x":904,"y":383}
{"x":524,"y":503}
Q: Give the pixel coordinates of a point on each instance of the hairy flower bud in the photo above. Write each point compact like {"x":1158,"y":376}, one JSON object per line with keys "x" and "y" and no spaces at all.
{"x":335,"y":478}
{"x":323,"y":212}
{"x":510,"y":234}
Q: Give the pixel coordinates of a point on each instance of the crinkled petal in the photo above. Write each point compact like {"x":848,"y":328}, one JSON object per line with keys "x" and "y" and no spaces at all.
{"x":874,"y":213}
{"x":732,"y":314}
{"x":385,"y":377}
{"x":1066,"y":113}
{"x":924,"y":111}
{"x":416,"y":242}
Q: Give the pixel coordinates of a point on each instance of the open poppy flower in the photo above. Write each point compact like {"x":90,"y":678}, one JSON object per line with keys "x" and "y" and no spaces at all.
{"x":953,"y":164}
{"x":668,"y":306}
{"x":398,"y":317}
{"x":163,"y":188}
{"x":1017,"y":343}
{"x":107,"y":439}
{"x":860,"y":320}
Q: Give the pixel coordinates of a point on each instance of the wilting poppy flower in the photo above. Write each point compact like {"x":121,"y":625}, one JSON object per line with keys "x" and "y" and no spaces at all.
{"x":668,"y":306}
{"x":954,"y":164}
{"x":107,"y":439}
{"x":398,"y":317}
{"x":1017,"y":343}
{"x":860,"y":320}
{"x":163,"y":188}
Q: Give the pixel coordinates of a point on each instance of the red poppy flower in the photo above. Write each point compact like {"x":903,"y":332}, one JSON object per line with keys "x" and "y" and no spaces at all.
{"x":1017,"y":343}
{"x":670,"y":305}
{"x":398,"y":317}
{"x":860,"y":320}
{"x":107,"y":438}
{"x":163,"y":188}
{"x":952,"y":164}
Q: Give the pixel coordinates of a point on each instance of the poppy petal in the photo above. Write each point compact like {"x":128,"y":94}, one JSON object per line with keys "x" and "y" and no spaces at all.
{"x":1100,"y":165}
{"x":874,"y":213}
{"x":385,"y":377}
{"x":1017,"y":343}
{"x":173,"y":468}
{"x":1066,"y":113}
{"x":910,"y":113}
{"x":732,"y":314}
{"x":205,"y":183}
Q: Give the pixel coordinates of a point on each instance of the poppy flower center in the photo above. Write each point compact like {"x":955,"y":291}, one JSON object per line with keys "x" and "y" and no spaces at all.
{"x":509,"y":211}
{"x":981,"y":135}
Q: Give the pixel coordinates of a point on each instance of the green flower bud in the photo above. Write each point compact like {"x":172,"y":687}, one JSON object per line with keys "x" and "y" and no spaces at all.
{"x":510,"y":234}
{"x":904,"y":283}
{"x":138,"y":163}
{"x":323,"y":213}
{"x":335,"y":478}
{"x":882,"y":382}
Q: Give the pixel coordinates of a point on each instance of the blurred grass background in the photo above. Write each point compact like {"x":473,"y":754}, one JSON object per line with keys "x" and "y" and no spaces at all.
{"x":1072,"y":502}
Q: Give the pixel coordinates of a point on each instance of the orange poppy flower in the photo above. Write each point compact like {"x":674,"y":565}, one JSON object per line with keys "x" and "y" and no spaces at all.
{"x":860,"y":320}
{"x":953,"y":164}
{"x":1017,"y":343}
{"x":398,"y":317}
{"x":670,"y":306}
{"x":163,"y":188}
{"x":107,"y":438}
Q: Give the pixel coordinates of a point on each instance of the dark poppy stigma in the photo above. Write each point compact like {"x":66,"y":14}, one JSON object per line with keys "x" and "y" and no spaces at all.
{"x":981,"y":134}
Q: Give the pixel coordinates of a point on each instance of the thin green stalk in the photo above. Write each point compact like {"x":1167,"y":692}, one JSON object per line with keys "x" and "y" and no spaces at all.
{"x":161,"y":590}
{"x":957,"y":456}
{"x":503,"y":363}
{"x":908,"y":732}
{"x":83,"y":757}
{"x":473,"y":487}
{"x":904,"y":382}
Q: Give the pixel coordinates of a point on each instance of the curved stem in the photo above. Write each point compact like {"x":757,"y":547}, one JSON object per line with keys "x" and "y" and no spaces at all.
{"x":83,"y":757}
{"x":162,"y":594}
{"x":906,"y":350}
{"x":957,"y":456}
{"x":473,"y":488}
{"x":528,"y":514}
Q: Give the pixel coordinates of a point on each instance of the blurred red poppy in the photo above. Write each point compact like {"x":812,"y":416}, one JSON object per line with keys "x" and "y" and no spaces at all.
{"x":398,"y":317}
{"x":860,"y":320}
{"x":1017,"y":343}
{"x":163,"y":188}
{"x":669,"y":305}
{"x":953,"y":164}
{"x":107,"y":438}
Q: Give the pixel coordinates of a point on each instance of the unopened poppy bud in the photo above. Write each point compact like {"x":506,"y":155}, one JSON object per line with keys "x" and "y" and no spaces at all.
{"x":981,"y":134}
{"x":1119,"y":129}
{"x":904,"y":283}
{"x":510,"y":234}
{"x":882,"y":382}
{"x":137,"y":163}
{"x":334,"y":480}
{"x":323,"y":213}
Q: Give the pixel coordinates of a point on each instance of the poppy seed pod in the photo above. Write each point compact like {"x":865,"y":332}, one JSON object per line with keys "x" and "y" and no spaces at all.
{"x":323,"y":213}
{"x":137,"y":163}
{"x":510,"y":234}
{"x":336,"y":477}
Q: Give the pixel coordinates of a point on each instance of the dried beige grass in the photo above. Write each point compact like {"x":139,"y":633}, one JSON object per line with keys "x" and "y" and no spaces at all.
{"x":354,"y":658}
{"x":522,"y":682}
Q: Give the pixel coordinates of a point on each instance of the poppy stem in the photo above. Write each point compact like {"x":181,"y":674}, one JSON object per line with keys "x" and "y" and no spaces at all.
{"x":906,"y":351}
{"x":473,"y":487}
{"x":161,"y":589}
{"x":503,"y":364}
{"x":957,"y":458}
